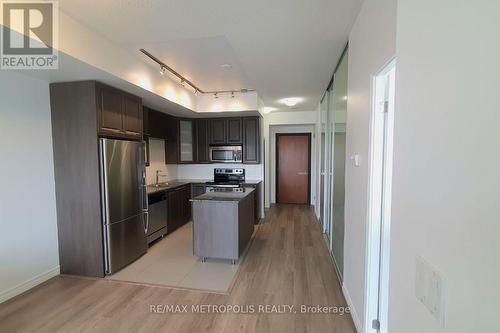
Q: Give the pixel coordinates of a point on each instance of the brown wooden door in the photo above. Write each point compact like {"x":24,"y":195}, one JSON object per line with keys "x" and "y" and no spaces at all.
{"x":293,"y":168}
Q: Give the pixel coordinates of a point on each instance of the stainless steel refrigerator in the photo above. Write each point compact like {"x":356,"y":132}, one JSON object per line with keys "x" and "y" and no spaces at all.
{"x":124,"y":202}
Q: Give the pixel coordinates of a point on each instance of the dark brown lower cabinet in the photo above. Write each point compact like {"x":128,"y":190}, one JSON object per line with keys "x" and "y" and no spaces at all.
{"x":197,"y":189}
{"x":257,"y":199}
{"x":179,"y":207}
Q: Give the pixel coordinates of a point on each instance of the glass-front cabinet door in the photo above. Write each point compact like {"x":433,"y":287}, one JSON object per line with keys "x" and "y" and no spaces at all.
{"x":186,"y":131}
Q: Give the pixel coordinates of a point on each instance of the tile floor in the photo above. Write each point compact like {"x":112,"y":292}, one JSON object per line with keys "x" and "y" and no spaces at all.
{"x":170,"y":262}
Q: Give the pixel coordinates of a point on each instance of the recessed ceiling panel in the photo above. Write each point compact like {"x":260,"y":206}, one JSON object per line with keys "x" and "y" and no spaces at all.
{"x":281,"y":48}
{"x":210,"y":62}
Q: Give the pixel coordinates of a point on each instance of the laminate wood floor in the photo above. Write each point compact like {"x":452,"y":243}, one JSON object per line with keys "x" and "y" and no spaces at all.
{"x":287,"y":264}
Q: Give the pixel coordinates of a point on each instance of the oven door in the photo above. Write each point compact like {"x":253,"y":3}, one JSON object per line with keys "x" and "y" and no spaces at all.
{"x":225,"y":154}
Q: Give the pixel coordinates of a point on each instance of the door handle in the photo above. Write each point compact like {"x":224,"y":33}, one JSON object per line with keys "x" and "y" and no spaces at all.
{"x":146,"y":228}
{"x":303,"y":173}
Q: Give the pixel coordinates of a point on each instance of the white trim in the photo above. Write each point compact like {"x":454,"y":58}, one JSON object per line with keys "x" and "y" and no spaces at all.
{"x":354,"y":314}
{"x":341,"y":279}
{"x":378,"y":231}
{"x":27,"y":285}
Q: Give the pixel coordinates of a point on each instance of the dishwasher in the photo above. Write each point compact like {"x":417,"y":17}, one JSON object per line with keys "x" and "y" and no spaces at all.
{"x":157,"y":215}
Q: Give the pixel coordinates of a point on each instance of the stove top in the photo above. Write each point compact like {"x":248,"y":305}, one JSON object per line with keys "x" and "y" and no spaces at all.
{"x":211,"y":189}
{"x":225,"y":184}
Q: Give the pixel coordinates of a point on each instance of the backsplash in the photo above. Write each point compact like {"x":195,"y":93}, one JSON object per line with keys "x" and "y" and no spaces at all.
{"x":190,"y":171}
{"x":157,"y":162}
{"x":206,"y":171}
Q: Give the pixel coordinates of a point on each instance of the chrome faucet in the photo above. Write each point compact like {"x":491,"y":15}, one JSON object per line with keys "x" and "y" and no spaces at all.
{"x":158,"y":175}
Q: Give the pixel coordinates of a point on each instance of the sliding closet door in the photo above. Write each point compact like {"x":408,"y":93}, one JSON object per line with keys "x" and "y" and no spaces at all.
{"x":323,"y":117}
{"x":339,"y":101}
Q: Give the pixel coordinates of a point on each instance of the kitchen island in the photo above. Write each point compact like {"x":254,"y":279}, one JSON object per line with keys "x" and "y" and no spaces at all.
{"x":223,"y":224}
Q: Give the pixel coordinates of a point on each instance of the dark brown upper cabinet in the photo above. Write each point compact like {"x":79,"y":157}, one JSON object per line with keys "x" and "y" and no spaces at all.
{"x":251,"y":140}
{"x":157,"y":124}
{"x":132,"y":107}
{"x":234,"y":135}
{"x":202,"y":140}
{"x":218,"y":131}
{"x":171,"y":136}
{"x":145,"y":121}
{"x":188,"y":140}
{"x":109,"y":109}
{"x":119,"y":114}
{"x":226,"y":131}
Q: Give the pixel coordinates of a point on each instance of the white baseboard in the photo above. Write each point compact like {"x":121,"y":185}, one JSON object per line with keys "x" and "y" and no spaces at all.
{"x":354,"y":314}
{"x":27,"y":285}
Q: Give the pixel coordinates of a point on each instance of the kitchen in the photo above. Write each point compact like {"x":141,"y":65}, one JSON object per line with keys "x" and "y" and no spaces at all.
{"x":144,"y":169}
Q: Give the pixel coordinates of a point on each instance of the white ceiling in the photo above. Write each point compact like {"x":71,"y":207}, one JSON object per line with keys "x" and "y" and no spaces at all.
{"x":281,"y":48}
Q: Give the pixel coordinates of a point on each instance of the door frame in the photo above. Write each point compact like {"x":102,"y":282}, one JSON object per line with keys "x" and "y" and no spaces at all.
{"x":379,"y":201}
{"x":308,"y":135}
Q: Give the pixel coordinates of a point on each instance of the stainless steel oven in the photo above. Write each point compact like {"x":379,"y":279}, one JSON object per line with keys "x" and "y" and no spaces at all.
{"x":226,"y":154}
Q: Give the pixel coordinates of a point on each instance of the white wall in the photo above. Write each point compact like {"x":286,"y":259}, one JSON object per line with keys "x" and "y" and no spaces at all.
{"x":28,"y":240}
{"x":206,"y":171}
{"x":287,"y":118}
{"x":227,"y":102}
{"x":190,"y":171}
{"x":446,"y":165}
{"x":371,"y":44}
{"x":157,"y":162}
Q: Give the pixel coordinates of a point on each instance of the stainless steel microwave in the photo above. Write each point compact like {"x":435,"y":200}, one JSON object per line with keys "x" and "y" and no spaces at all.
{"x":226,"y":154}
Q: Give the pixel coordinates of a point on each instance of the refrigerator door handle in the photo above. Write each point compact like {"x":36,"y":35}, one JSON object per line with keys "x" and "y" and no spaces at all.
{"x":146,"y":229}
{"x":145,"y":203}
{"x":105,"y":203}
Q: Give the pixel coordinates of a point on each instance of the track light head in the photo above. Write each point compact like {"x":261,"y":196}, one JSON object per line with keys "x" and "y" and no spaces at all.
{"x":162,"y":70}
{"x":216,"y":96}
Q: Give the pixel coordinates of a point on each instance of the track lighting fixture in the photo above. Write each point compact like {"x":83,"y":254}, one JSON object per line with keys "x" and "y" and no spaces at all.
{"x":185,"y":82}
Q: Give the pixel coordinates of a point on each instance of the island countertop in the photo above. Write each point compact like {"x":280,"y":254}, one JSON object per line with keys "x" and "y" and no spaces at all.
{"x":224,"y":196}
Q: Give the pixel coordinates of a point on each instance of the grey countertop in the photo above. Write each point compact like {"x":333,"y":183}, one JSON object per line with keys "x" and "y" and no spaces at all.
{"x":224,"y":196}
{"x":172,"y":184}
{"x":165,"y":186}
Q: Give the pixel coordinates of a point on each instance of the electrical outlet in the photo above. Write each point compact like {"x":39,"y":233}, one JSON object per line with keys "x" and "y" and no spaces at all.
{"x":429,"y":289}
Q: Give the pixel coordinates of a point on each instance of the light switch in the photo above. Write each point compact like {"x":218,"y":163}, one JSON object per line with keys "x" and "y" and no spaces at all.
{"x":356,"y":159}
{"x":429,"y":289}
